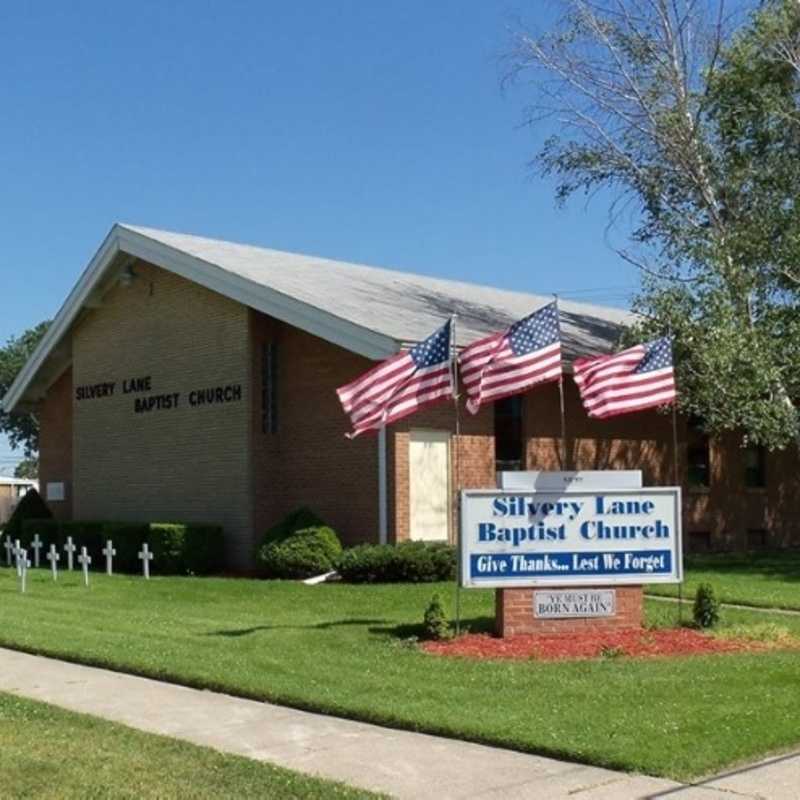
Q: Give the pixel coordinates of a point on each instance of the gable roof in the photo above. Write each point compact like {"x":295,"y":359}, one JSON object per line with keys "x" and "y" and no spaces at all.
{"x":368,"y":310}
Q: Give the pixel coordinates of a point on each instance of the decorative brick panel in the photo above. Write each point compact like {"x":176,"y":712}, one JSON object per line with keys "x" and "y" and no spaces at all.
{"x":514,"y":613}
{"x":55,"y":443}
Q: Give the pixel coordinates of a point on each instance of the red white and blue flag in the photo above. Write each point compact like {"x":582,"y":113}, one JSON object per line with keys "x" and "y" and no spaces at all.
{"x":401,"y":385}
{"x":507,"y":363}
{"x":637,"y":378}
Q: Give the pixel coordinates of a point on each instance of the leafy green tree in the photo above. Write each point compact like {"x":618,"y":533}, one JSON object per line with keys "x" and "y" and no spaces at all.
{"x":22,"y":429}
{"x":694,"y":123}
{"x":27,"y":468}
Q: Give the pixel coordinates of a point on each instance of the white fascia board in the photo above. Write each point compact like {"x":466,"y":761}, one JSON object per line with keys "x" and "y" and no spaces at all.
{"x":323,"y":324}
{"x":294,"y":312}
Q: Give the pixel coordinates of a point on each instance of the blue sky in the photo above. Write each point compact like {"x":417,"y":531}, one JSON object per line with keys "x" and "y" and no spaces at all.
{"x":371,"y":132}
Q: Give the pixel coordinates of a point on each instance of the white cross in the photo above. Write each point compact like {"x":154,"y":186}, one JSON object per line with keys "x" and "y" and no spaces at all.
{"x":22,"y":561}
{"x":146,"y":557}
{"x":85,"y":559}
{"x":9,"y":550}
{"x":70,"y":549}
{"x":53,"y":557}
{"x":37,"y":544}
{"x":109,"y":552}
{"x":17,"y":554}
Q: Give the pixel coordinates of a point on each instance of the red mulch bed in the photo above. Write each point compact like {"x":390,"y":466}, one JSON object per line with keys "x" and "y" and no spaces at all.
{"x":659,"y":642}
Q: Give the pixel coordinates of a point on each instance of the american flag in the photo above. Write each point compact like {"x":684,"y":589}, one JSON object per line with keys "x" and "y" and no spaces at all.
{"x":400,"y":385}
{"x":637,"y":378}
{"x":506,"y":363}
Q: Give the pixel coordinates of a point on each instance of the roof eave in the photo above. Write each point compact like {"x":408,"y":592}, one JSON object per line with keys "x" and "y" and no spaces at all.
{"x":120,"y":239}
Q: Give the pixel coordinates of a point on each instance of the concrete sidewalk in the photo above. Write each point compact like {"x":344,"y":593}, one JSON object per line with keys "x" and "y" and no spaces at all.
{"x":400,"y":763}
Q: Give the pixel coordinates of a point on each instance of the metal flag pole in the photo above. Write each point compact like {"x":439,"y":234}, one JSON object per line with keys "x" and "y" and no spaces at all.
{"x":676,"y":477}
{"x":564,"y":464}
{"x":456,"y":472}
{"x":456,"y":464}
{"x":563,"y":424}
{"x":676,"y":473}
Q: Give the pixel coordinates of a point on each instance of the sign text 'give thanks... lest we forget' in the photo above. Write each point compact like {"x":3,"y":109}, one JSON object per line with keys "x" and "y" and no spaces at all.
{"x":606,"y":537}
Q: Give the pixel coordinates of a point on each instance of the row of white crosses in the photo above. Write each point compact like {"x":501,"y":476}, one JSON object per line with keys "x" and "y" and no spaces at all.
{"x":20,"y":556}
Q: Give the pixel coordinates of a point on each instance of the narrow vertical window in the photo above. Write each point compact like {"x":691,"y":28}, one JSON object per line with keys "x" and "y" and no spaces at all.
{"x":508,"y":433}
{"x":699,"y":456}
{"x":755,"y":467}
{"x":269,"y":388}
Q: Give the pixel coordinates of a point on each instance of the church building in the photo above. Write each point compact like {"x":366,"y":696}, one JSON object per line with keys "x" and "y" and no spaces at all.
{"x":190,"y":379}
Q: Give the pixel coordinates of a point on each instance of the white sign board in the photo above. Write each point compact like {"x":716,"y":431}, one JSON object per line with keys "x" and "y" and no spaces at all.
{"x":591,"y":537}
{"x":540,"y":481}
{"x":571,"y":604}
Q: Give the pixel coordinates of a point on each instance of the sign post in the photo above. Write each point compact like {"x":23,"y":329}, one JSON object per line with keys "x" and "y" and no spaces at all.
{"x":560,"y":558}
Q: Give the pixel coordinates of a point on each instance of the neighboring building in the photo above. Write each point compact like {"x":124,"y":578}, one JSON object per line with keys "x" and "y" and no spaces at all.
{"x":192,"y":379}
{"x":11,"y":490}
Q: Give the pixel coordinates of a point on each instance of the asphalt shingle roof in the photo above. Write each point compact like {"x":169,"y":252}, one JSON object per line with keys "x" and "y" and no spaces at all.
{"x":401,"y":305}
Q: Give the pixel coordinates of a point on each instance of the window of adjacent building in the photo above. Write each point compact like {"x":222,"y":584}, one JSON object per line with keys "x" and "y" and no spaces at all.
{"x":269,"y":388}
{"x":508,"y":433}
{"x":698,"y":457}
{"x":755,"y":467}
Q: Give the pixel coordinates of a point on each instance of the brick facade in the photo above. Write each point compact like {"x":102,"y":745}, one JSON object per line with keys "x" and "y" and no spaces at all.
{"x":308,"y":461}
{"x":55,"y":443}
{"x":514,"y":614}
{"x":185,"y":463}
{"x":217,"y":464}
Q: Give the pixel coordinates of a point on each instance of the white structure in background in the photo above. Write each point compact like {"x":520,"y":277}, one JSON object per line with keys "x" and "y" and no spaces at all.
{"x":11,"y":490}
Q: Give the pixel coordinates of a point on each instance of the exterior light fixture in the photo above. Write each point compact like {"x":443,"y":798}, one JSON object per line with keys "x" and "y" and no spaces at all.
{"x":127,"y":276}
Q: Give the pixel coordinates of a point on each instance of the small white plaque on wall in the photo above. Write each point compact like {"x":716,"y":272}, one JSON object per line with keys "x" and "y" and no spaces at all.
{"x":55,"y":492}
{"x":543,"y":481}
{"x":569,"y":604}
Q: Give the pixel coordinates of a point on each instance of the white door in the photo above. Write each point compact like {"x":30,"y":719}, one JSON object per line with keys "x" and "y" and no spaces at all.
{"x":429,"y":485}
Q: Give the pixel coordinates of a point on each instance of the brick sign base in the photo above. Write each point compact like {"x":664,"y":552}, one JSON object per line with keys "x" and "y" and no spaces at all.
{"x":514,"y":613}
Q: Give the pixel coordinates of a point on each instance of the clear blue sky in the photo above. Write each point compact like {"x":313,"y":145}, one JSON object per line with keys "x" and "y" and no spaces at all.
{"x":367,"y":131}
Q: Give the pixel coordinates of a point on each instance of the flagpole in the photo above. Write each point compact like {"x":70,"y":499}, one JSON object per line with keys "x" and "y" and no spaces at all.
{"x":677,"y":480}
{"x":564,"y":464}
{"x":456,"y":465}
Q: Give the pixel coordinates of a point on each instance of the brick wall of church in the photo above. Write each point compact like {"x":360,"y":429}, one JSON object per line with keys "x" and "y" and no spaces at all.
{"x":55,"y":443}
{"x":174,"y":460}
{"x":308,"y":461}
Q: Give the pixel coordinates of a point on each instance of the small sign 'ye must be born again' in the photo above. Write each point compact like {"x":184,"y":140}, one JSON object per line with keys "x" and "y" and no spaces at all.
{"x":569,"y":604}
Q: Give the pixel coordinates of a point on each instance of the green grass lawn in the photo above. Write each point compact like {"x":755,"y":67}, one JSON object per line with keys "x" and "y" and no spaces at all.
{"x":770,"y":580}
{"x":46,"y":752}
{"x":345,"y":650}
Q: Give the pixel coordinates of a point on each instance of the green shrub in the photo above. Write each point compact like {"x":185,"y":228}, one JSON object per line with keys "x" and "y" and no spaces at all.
{"x":435,"y":623}
{"x":308,"y":552}
{"x":367,"y":563}
{"x":30,"y":506}
{"x":127,"y":538}
{"x":407,"y":562}
{"x":49,"y":531}
{"x":88,"y":534}
{"x":298,"y":520}
{"x":180,"y":549}
{"x":706,"y":606}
